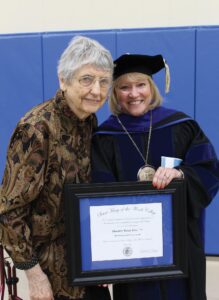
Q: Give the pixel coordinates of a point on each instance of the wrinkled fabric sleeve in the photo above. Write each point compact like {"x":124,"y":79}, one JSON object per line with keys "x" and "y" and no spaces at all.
{"x":200,"y":166}
{"x":22,"y":182}
{"x":201,"y":169}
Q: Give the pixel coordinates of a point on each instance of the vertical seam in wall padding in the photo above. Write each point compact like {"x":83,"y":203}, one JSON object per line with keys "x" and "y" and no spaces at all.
{"x":195,"y":74}
{"x":116,"y":44}
{"x":42,"y":63}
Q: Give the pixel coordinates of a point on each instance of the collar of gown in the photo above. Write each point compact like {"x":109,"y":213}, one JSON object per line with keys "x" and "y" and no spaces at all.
{"x":161,"y":117}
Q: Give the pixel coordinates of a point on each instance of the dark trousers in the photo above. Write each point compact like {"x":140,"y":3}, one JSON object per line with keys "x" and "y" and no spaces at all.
{"x":92,"y":293}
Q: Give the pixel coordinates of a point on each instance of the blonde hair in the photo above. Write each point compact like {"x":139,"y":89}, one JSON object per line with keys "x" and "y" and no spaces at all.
{"x":156,"y":96}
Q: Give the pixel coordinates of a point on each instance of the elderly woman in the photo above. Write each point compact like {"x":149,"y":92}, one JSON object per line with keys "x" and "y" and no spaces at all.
{"x":50,"y":146}
{"x":129,"y":145}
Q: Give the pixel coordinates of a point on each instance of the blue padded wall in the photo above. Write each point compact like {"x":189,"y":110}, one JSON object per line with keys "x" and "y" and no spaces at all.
{"x":20,"y":81}
{"x":28,"y":76}
{"x":207,"y":108}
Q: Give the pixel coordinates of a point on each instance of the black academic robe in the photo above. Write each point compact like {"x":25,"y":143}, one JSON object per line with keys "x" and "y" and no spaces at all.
{"x":174,"y":134}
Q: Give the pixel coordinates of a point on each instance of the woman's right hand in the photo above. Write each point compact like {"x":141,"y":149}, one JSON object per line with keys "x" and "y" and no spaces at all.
{"x":39,"y":285}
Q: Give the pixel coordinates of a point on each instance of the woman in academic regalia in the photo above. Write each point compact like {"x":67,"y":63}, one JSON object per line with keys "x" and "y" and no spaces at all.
{"x":129,"y":145}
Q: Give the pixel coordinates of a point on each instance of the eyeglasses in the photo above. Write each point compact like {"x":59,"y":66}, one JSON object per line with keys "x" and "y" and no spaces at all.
{"x":88,"y":81}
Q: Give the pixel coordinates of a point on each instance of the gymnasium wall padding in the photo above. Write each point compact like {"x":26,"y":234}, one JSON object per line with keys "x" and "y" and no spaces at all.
{"x":28,"y":76}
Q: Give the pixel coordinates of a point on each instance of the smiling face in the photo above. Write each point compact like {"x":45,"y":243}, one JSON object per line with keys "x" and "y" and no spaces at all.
{"x":87,"y":91}
{"x":134,"y":94}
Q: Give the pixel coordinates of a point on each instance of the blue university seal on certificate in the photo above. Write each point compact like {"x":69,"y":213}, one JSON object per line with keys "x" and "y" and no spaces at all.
{"x":127,"y":251}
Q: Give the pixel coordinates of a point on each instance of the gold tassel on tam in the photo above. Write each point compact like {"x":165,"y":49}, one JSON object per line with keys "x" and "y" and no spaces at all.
{"x":167,"y":77}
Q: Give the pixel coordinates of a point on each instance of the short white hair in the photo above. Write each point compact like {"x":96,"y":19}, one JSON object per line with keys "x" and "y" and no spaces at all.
{"x":83,"y":51}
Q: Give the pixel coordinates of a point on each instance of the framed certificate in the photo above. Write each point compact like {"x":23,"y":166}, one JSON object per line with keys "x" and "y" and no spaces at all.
{"x":126,"y":231}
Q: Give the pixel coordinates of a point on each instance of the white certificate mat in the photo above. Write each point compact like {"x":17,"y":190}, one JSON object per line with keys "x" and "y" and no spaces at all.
{"x":126,"y":231}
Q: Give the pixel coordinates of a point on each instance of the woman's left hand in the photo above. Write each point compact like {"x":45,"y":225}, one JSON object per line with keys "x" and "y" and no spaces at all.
{"x":163,"y":176}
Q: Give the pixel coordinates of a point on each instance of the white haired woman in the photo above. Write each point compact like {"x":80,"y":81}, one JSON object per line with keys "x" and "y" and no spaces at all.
{"x":51,"y":146}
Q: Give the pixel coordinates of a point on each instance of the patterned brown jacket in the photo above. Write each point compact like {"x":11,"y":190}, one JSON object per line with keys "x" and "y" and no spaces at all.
{"x":49,"y":146}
